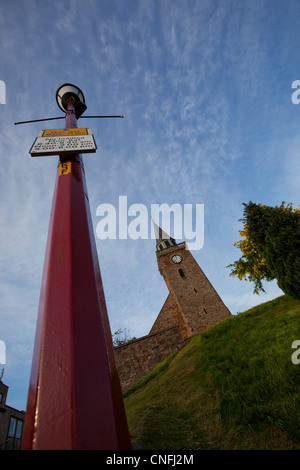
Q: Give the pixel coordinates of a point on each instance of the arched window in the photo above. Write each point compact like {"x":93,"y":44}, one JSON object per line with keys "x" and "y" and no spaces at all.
{"x":181,"y":272}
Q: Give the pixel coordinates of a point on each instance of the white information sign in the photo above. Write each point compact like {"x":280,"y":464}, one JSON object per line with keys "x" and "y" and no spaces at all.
{"x":63,"y":141}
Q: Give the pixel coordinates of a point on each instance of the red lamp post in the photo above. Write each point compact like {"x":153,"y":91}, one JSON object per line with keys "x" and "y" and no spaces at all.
{"x":74,"y":398}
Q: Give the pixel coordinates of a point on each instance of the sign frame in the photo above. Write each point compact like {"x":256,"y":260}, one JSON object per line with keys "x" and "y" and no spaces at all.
{"x":51,"y":142}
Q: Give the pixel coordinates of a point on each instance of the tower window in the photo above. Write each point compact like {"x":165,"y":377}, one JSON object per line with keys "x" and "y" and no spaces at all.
{"x":204,"y":310}
{"x":181,"y":272}
{"x":167,"y":243}
{"x":195,"y":290}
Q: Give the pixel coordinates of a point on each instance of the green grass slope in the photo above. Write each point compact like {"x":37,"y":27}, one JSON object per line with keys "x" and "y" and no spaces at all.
{"x":232,"y":387}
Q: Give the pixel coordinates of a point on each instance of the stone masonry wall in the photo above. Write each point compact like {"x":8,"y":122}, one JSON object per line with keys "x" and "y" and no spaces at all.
{"x":170,"y":315}
{"x":137,"y":358}
{"x":192,"y":306}
{"x":195,"y":296}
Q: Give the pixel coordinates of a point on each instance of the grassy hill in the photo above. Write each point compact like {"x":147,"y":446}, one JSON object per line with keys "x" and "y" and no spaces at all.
{"x":231,"y":387}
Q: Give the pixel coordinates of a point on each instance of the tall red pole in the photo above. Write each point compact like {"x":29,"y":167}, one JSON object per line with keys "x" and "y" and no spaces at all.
{"x":74,"y":398}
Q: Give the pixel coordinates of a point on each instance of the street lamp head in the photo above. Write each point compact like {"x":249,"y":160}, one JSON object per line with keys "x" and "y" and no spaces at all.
{"x":67,"y":91}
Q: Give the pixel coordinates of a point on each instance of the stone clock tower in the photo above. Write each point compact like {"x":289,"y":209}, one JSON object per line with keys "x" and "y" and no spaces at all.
{"x":192,"y":304}
{"x":191,"y":307}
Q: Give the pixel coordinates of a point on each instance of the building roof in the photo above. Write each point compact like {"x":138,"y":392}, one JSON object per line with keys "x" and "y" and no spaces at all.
{"x":161,"y":235}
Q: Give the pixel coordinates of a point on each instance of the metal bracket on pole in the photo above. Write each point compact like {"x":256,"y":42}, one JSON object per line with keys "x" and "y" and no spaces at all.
{"x":53,"y":119}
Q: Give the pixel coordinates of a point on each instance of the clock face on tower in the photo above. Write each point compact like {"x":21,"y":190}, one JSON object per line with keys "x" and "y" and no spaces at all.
{"x":176,"y":259}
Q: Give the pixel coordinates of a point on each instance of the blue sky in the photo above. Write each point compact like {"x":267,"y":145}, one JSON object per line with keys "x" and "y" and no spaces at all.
{"x":205,"y":88}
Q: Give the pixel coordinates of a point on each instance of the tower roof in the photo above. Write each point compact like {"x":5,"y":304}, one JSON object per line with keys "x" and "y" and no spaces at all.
{"x":161,"y":236}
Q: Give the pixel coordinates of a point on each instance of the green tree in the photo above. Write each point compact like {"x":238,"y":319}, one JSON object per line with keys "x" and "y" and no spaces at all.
{"x":121,"y":336}
{"x":271,"y":248}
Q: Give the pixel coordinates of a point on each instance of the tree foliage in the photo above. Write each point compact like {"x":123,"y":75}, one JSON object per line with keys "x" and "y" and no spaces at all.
{"x":271,"y":247}
{"x":121,"y":336}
